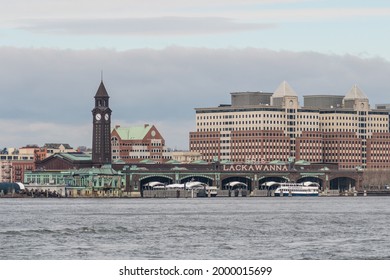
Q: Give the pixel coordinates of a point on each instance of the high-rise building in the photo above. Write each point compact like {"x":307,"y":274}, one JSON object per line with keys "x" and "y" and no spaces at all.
{"x":350,"y":134}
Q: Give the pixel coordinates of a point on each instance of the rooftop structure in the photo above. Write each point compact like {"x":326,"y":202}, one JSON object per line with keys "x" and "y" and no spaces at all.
{"x":250,"y":98}
{"x":323,"y":101}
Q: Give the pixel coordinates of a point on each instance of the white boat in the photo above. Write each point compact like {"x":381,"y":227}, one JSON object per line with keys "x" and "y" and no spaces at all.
{"x":155,"y":185}
{"x":207,"y":191}
{"x":192,"y":185}
{"x":297,"y":189}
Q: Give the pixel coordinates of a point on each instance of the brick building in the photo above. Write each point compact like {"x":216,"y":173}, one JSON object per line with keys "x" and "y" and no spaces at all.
{"x":138,"y":143}
{"x":350,"y":134}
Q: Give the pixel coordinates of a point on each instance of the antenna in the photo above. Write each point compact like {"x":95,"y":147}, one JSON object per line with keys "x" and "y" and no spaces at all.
{"x":101,"y":75}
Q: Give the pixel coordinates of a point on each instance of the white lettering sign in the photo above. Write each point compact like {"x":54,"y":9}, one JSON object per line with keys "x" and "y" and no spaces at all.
{"x":254,"y":167}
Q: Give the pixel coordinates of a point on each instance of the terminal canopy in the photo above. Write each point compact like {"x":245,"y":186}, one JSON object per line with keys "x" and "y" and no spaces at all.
{"x":236,"y":184}
{"x":154,"y":184}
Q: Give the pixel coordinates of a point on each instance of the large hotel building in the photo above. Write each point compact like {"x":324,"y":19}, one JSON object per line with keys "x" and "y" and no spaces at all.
{"x":260,"y":126}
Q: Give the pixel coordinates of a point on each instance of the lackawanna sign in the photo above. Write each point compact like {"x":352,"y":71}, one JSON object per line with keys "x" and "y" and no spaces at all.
{"x":254,"y":167}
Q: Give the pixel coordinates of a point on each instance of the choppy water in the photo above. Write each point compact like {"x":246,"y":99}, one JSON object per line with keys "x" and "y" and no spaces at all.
{"x":202,"y":228}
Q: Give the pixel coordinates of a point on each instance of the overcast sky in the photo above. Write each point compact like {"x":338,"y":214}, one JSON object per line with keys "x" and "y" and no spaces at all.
{"x":162,"y":59}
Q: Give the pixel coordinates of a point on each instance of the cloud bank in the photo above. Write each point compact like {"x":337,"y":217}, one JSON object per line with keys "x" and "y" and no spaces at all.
{"x":47,"y":95}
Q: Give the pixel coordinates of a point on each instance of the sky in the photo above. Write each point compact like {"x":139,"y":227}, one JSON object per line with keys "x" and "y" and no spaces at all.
{"x":161,"y":59}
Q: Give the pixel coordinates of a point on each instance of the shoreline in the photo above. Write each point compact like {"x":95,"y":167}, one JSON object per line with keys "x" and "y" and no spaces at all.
{"x":350,"y":194}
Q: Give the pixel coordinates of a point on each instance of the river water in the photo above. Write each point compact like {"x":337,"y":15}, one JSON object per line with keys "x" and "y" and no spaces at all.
{"x":271,"y":228}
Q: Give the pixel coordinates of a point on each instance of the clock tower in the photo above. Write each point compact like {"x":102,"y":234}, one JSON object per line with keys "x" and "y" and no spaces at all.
{"x":101,"y":137}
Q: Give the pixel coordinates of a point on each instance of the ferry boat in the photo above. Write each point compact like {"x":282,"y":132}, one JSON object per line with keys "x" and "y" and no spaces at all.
{"x":297,"y":189}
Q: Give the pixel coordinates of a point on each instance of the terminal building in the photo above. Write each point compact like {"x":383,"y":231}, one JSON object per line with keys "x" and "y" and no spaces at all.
{"x":263,"y":127}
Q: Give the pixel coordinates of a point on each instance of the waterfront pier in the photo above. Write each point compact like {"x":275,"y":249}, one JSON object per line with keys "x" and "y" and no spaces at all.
{"x":248,"y":179}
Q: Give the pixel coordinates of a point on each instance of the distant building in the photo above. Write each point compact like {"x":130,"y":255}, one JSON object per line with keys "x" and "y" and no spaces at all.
{"x":14,"y":162}
{"x":40,"y":154}
{"x":65,"y":161}
{"x":185,"y":156}
{"x":137,"y":144}
{"x":5,"y":171}
{"x":54,"y":148}
{"x":24,"y":153}
{"x":19,"y":167}
{"x":350,"y":134}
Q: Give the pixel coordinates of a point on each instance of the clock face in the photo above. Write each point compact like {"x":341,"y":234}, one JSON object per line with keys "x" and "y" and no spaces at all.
{"x":153,"y":133}
{"x":106,"y":116}
{"x":98,"y":117}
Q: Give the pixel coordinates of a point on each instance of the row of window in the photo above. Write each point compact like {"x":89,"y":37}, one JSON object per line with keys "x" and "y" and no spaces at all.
{"x":6,"y":157}
{"x":386,"y":136}
{"x":384,"y":125}
{"x":281,"y":116}
{"x":301,"y":130}
{"x":380,"y":166}
{"x":381,"y":149}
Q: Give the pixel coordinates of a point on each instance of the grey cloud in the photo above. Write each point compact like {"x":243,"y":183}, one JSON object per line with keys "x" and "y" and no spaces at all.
{"x":164,"y":86}
{"x":142,"y":26}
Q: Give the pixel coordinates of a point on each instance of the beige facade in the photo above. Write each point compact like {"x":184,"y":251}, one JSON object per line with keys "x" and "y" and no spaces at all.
{"x":185,"y":156}
{"x":55,"y":148}
{"x":284,"y":129}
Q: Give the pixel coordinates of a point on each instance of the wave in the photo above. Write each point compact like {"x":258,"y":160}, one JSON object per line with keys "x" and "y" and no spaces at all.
{"x":67,"y":231}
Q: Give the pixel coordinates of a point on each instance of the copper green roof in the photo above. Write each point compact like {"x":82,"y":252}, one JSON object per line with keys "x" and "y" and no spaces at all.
{"x":277,"y":162}
{"x":135,"y":167}
{"x":199,"y":162}
{"x":104,"y":170}
{"x":133,"y":133}
{"x":147,"y":161}
{"x":173,"y":161}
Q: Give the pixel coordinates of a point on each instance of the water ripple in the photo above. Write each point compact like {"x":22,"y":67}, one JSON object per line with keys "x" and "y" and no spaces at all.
{"x":252,"y":228}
